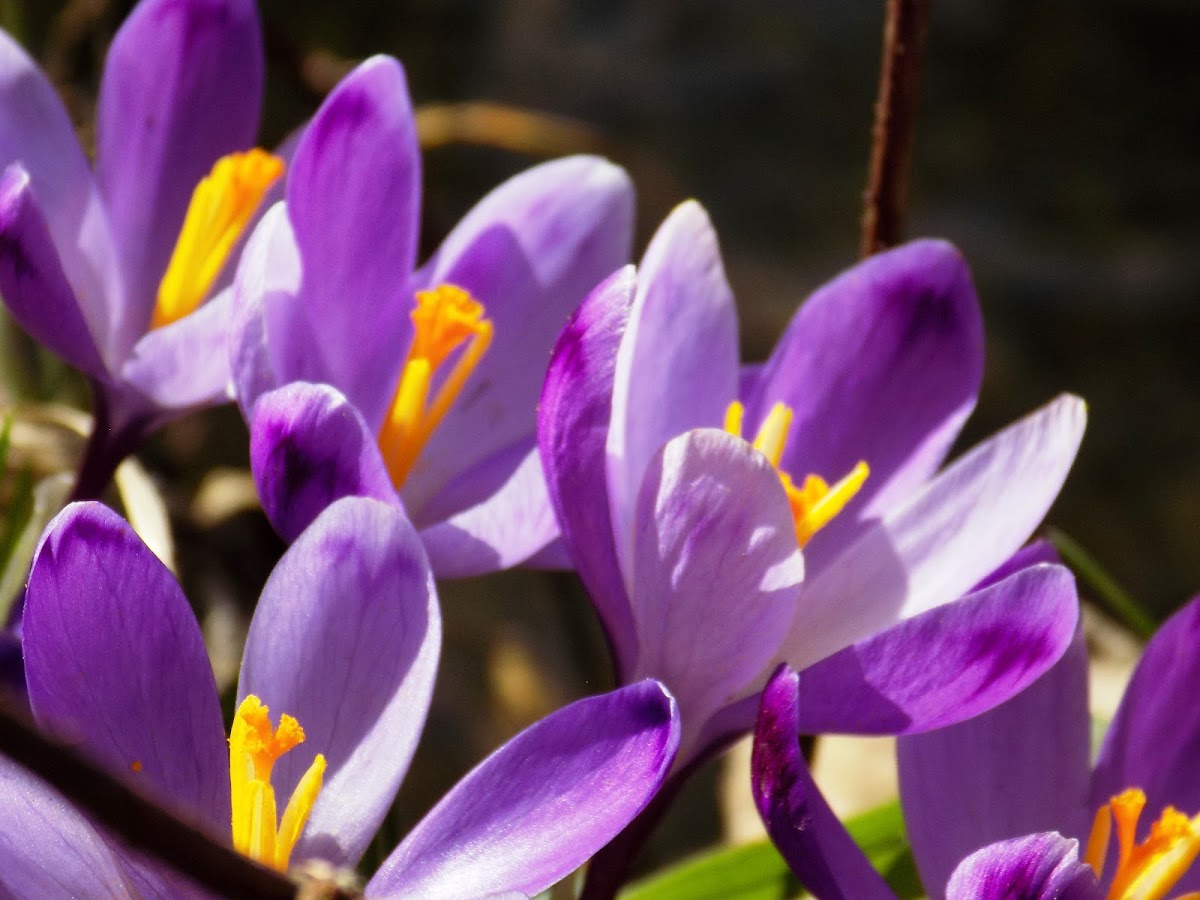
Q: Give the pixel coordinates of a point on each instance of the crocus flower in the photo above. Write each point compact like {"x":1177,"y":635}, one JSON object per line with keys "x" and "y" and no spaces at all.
{"x":689,"y":538}
{"x":413,"y":385}
{"x":1000,"y":806}
{"x":341,"y":654}
{"x":111,"y":269}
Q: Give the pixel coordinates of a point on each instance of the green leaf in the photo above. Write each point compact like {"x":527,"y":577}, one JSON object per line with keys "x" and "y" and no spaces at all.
{"x":46,"y":499}
{"x":1108,"y":591}
{"x":758,"y":872}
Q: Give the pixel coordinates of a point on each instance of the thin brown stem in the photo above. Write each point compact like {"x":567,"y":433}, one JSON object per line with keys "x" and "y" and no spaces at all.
{"x":886,"y":198}
{"x":138,"y":822}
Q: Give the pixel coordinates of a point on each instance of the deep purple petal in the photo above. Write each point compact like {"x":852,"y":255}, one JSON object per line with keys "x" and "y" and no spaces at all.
{"x":48,"y":848}
{"x":1039,"y":551}
{"x":264,"y":317}
{"x":573,"y":421}
{"x":1020,"y":768}
{"x":882,"y":364}
{"x":1042,"y":866}
{"x":530,"y":252}
{"x":353,"y":195}
{"x":39,"y":134}
{"x":1154,"y":739}
{"x":948,"y":664}
{"x":32,"y":280}
{"x":716,"y":571}
{"x":677,"y":367}
{"x":185,"y":365}
{"x":511,"y":524}
{"x":182,"y":87}
{"x":945,"y":538}
{"x":346,"y":639}
{"x":308,"y":448}
{"x":542,"y":804}
{"x":810,"y":837}
{"x":115,"y":660}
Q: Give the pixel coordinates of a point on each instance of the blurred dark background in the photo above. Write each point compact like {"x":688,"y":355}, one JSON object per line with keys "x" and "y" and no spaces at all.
{"x":1057,"y":145}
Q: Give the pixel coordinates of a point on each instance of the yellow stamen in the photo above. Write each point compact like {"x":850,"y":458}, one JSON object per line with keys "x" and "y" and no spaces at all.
{"x":221,"y":207}
{"x":814,"y":504}
{"x":254,"y":746}
{"x":1145,"y":871}
{"x":445,"y":319}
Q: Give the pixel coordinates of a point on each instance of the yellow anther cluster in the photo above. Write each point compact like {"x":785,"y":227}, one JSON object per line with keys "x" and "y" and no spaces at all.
{"x":1144,"y":871}
{"x":254,"y":747}
{"x":815,"y":503}
{"x":446,"y":319}
{"x":218,"y":214}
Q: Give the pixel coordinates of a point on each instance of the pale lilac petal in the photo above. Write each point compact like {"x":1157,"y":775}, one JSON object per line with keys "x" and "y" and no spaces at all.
{"x":542,"y":804}
{"x":115,"y":660}
{"x":677,"y":367}
{"x":1039,"y":551}
{"x":308,"y":448}
{"x":573,"y":421}
{"x":882,"y":364}
{"x":1041,"y":866}
{"x":182,"y":87}
{"x":514,"y":522}
{"x":48,"y":848}
{"x":353,"y":195}
{"x":948,"y":664}
{"x":266,"y":314}
{"x":1020,"y":768}
{"x":812,"y":840}
{"x":950,"y":534}
{"x":716,"y":571}
{"x":1154,"y":738}
{"x":346,"y":639}
{"x":32,"y":281}
{"x":185,"y":365}
{"x":530,"y":252}
{"x":38,"y":133}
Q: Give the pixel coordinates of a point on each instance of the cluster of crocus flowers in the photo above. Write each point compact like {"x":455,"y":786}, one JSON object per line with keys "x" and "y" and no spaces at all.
{"x":828,"y":538}
{"x":123,"y":271}
{"x":1007,"y":804}
{"x":115,"y":662}
{"x":363,"y":375}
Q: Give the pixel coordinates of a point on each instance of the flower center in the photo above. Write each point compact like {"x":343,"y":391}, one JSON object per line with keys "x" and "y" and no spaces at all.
{"x":815,"y":503}
{"x":446,"y":318}
{"x":221,"y":207}
{"x":1145,"y":871}
{"x":254,"y":746}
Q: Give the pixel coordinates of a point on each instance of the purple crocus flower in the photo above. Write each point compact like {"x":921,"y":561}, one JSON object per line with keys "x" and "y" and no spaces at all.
{"x":689,"y":538}
{"x":109,"y":268}
{"x":342,"y":651}
{"x":1000,"y":806}
{"x":413,"y":385}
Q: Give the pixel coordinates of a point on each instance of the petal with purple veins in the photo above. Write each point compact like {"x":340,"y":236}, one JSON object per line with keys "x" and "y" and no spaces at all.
{"x":1043,"y":866}
{"x":114,"y":659}
{"x":182,"y":87}
{"x":716,"y":571}
{"x":32,"y":280}
{"x":353,"y":196}
{"x":308,"y":448}
{"x":1019,"y":768}
{"x":812,"y":840}
{"x":346,"y":639}
{"x":948,"y":664}
{"x":883,"y":364}
{"x":573,"y":418}
{"x":677,"y":367}
{"x":542,"y":804}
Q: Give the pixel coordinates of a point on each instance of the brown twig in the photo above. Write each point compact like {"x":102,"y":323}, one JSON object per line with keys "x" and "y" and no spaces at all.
{"x":140,"y":823}
{"x":886,"y":197}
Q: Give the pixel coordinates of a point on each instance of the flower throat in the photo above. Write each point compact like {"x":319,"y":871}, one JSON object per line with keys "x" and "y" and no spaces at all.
{"x":814,"y":504}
